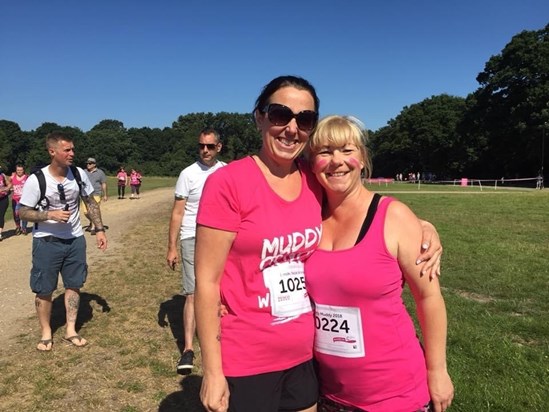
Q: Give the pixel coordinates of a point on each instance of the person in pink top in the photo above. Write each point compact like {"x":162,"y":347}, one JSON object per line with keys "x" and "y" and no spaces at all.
{"x":369,"y":358}
{"x":135,"y":183}
{"x":123,"y":181}
{"x":5,"y":189}
{"x":18,"y":179}
{"x":259,"y":219}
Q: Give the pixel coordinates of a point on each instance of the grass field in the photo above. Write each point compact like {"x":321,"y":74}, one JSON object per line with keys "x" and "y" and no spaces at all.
{"x":495,"y":278}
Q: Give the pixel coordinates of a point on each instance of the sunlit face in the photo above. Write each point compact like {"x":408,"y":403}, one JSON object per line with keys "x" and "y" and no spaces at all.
{"x":206,"y":151}
{"x":19,"y":171}
{"x":62,"y":153}
{"x":338,"y":168}
{"x":282,"y":144}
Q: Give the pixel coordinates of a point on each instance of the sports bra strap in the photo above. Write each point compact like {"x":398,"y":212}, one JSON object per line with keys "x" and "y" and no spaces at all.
{"x":369,"y":217}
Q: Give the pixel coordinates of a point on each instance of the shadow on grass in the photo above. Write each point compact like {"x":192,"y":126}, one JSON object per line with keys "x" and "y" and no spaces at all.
{"x":85,"y":312}
{"x":187,"y":399}
{"x":170,"y":313}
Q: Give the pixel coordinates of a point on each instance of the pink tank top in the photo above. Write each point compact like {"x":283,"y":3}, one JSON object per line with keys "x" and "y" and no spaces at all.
{"x":17,"y":185}
{"x":365,"y":343}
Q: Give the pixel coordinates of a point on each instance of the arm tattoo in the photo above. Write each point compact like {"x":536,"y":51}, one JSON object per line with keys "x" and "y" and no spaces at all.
{"x":218,"y":337}
{"x":32,"y":215}
{"x":93,"y":210}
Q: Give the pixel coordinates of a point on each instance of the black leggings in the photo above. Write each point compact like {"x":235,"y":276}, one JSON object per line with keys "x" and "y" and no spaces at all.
{"x":4,"y":203}
{"x":121,"y":191}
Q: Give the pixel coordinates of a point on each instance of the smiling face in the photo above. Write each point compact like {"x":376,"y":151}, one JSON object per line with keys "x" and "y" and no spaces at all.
{"x":338,"y":168}
{"x":338,"y":154}
{"x":282,"y":144}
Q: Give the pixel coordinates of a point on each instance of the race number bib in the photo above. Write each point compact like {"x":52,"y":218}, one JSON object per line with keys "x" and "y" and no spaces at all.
{"x":339,"y":331}
{"x":286,"y":283}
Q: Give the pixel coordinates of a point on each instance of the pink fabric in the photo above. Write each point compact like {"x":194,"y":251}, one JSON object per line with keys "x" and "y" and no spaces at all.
{"x":135,"y":178}
{"x":237,"y":198}
{"x":3,"y":183}
{"x":392,"y":375}
{"x":17,"y":187}
{"x":121,"y":177}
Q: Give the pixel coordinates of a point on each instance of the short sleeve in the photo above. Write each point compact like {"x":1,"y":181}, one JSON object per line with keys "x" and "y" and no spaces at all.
{"x":220,"y":205}
{"x":182,"y":187}
{"x":31,"y":192}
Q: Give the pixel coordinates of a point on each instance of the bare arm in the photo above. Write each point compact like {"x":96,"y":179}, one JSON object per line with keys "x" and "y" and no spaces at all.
{"x":94,"y":214}
{"x":8,"y":185}
{"x":104,"y":189}
{"x":32,"y":215}
{"x":178,"y":210}
{"x":209,"y":266}
{"x":405,"y":234}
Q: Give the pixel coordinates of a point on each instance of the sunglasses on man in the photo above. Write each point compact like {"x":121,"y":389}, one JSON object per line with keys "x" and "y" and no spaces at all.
{"x":210,"y":146}
{"x":61,"y":190}
{"x":280,"y":115}
{"x":62,"y":197}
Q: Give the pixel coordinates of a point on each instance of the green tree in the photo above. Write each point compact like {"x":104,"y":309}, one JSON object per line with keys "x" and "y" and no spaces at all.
{"x":109,"y":144}
{"x":423,"y":138}
{"x":509,"y":110}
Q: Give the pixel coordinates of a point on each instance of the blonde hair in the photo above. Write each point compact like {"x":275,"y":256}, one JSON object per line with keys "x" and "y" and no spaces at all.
{"x":337,"y":131}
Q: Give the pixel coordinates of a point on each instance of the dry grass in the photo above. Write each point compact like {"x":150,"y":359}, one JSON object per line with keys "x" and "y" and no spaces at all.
{"x":131,"y":314}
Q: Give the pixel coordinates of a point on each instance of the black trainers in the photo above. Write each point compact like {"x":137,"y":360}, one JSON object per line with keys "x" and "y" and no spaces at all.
{"x":185,"y":364}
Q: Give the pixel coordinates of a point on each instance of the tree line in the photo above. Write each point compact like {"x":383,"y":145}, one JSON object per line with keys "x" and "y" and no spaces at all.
{"x":496,"y":131}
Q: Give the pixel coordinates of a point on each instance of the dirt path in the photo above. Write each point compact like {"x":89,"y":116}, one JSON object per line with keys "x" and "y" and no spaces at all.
{"x":16,"y":298}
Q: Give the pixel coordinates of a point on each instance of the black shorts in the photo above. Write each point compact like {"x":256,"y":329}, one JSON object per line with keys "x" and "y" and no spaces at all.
{"x":293,"y":389}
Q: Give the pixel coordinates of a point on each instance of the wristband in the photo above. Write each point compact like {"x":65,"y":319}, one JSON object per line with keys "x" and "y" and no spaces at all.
{"x":102,"y":229}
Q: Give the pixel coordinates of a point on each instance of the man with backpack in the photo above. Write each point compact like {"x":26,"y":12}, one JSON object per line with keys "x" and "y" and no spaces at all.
{"x":51,"y":199}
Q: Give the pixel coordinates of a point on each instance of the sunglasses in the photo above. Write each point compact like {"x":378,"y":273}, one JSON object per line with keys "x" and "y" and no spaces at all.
{"x":210,"y":146}
{"x":61,"y":191}
{"x":280,"y":115}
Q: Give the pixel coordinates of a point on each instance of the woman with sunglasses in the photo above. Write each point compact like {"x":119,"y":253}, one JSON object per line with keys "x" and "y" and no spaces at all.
{"x":259,"y":219}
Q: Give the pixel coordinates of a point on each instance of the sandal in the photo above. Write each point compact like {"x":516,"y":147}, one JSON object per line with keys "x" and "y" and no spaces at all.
{"x":45,"y":342}
{"x":76,"y":338}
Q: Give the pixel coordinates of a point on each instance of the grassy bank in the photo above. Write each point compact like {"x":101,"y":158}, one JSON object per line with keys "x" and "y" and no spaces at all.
{"x":495,"y":279}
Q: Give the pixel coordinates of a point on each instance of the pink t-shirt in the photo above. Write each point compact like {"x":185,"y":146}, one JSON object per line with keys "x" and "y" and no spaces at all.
{"x":121,"y":177}
{"x":135,"y":178}
{"x":366,"y":346}
{"x":17,"y":186}
{"x":269,"y":325}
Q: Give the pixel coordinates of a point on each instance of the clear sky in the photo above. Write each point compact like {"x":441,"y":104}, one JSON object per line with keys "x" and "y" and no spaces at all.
{"x":145,"y":63}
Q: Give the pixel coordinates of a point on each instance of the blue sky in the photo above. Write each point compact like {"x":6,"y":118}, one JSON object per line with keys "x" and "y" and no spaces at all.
{"x":147,"y":62}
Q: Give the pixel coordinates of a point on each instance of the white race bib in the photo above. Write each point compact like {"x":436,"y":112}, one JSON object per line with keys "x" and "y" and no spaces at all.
{"x":339,"y":331}
{"x":286,"y":283}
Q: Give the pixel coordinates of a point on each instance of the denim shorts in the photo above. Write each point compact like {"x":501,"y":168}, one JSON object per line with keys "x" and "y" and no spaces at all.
{"x":51,"y":256}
